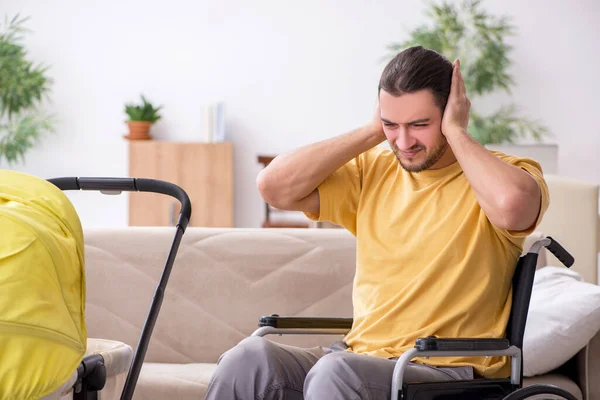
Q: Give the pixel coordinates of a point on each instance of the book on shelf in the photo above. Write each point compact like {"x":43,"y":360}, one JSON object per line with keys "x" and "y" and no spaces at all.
{"x":214,"y":123}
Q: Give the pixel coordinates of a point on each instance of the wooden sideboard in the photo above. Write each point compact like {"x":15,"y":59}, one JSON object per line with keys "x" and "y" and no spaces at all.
{"x":203,"y":170}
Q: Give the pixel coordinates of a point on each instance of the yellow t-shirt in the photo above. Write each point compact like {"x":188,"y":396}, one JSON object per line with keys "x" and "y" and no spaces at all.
{"x":429,"y":262}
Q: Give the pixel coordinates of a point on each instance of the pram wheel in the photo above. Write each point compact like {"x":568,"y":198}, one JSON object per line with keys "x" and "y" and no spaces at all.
{"x":540,"y":392}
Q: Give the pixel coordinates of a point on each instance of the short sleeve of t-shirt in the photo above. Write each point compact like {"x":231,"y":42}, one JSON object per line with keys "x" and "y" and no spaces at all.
{"x":339,"y":195}
{"x":535,"y":170}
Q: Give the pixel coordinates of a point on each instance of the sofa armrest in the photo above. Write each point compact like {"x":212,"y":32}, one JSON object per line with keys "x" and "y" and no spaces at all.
{"x":588,"y":366}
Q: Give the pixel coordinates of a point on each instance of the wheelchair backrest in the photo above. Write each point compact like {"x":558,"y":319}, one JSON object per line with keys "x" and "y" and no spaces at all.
{"x":522,"y":287}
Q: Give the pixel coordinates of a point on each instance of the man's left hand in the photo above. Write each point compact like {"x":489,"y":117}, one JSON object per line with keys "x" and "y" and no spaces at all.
{"x":456,"y":114}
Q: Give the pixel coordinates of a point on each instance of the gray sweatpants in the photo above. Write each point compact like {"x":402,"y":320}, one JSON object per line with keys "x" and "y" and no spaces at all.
{"x":260,"y":369}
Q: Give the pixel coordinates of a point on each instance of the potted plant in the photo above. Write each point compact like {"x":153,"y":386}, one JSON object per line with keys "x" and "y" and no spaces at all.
{"x":141,"y":118}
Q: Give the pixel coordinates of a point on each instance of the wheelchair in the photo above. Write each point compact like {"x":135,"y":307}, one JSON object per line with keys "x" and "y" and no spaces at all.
{"x":509,"y":388}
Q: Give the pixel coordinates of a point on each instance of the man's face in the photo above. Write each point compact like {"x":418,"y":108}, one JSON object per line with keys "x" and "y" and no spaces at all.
{"x":412,"y":125}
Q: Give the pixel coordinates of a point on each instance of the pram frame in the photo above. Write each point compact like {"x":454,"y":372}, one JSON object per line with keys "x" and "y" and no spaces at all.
{"x":91,"y":372}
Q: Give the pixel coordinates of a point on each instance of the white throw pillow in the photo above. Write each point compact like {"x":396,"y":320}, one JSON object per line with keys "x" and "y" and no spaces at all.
{"x":564,"y":314}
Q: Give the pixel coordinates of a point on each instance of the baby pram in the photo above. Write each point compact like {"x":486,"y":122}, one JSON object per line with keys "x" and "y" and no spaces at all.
{"x":44,"y":349}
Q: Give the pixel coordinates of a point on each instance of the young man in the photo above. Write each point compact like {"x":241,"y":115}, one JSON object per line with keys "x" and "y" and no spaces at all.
{"x":439,"y":221}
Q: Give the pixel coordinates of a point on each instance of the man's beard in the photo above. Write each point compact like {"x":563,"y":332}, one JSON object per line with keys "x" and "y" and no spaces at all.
{"x":432,"y":156}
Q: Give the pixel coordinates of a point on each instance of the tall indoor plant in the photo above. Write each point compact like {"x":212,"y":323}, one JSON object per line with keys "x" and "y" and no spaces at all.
{"x":23,"y":87}
{"x":463,"y":30}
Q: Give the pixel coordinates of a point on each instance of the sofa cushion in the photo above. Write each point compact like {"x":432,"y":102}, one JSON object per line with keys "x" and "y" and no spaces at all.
{"x":564,"y":314}
{"x":557,"y":380}
{"x":174,"y":381}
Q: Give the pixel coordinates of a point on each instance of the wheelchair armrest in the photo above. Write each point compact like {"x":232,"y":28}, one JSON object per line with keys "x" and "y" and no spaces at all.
{"x":280,"y":322}
{"x":432,"y":343}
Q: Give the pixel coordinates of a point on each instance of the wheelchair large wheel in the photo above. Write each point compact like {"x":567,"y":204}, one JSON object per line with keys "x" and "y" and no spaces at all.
{"x":540,"y":392}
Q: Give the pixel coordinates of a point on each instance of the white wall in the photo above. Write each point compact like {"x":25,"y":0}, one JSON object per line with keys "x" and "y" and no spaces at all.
{"x":290,"y":73}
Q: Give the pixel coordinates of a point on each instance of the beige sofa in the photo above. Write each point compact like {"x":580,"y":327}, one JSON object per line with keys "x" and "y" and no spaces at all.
{"x":224,"y":279}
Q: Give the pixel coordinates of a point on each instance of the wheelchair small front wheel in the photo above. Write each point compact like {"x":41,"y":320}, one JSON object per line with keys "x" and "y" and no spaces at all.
{"x":540,"y":392}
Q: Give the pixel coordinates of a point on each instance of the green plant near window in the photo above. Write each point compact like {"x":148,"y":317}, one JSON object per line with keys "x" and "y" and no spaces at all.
{"x":463,"y":30}
{"x":23,"y":86}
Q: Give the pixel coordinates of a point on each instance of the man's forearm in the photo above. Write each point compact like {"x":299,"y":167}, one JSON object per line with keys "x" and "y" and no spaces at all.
{"x":509,"y":196}
{"x":294,"y":175}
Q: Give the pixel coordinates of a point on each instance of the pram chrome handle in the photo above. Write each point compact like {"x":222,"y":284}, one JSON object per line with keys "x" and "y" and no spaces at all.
{"x":117,"y":185}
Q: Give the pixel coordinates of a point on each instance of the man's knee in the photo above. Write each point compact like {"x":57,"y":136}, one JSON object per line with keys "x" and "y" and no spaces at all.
{"x":244,"y":370}
{"x":332,"y":373}
{"x":259,"y":368}
{"x":334,"y":363}
{"x":251,"y":353}
{"x":346,"y":375}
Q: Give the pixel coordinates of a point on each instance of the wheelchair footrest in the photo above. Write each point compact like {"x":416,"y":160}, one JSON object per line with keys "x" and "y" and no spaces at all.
{"x":477,"y":389}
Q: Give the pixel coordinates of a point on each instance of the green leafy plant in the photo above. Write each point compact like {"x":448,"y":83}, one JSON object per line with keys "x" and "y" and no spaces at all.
{"x":23,"y":87}
{"x":463,"y":30}
{"x":144,"y":112}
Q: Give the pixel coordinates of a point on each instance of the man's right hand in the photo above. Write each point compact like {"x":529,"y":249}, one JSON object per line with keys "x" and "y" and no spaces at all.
{"x":291,"y":180}
{"x":375,"y":125}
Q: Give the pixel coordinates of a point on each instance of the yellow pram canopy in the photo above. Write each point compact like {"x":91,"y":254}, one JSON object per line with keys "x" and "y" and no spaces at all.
{"x":42,"y":287}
